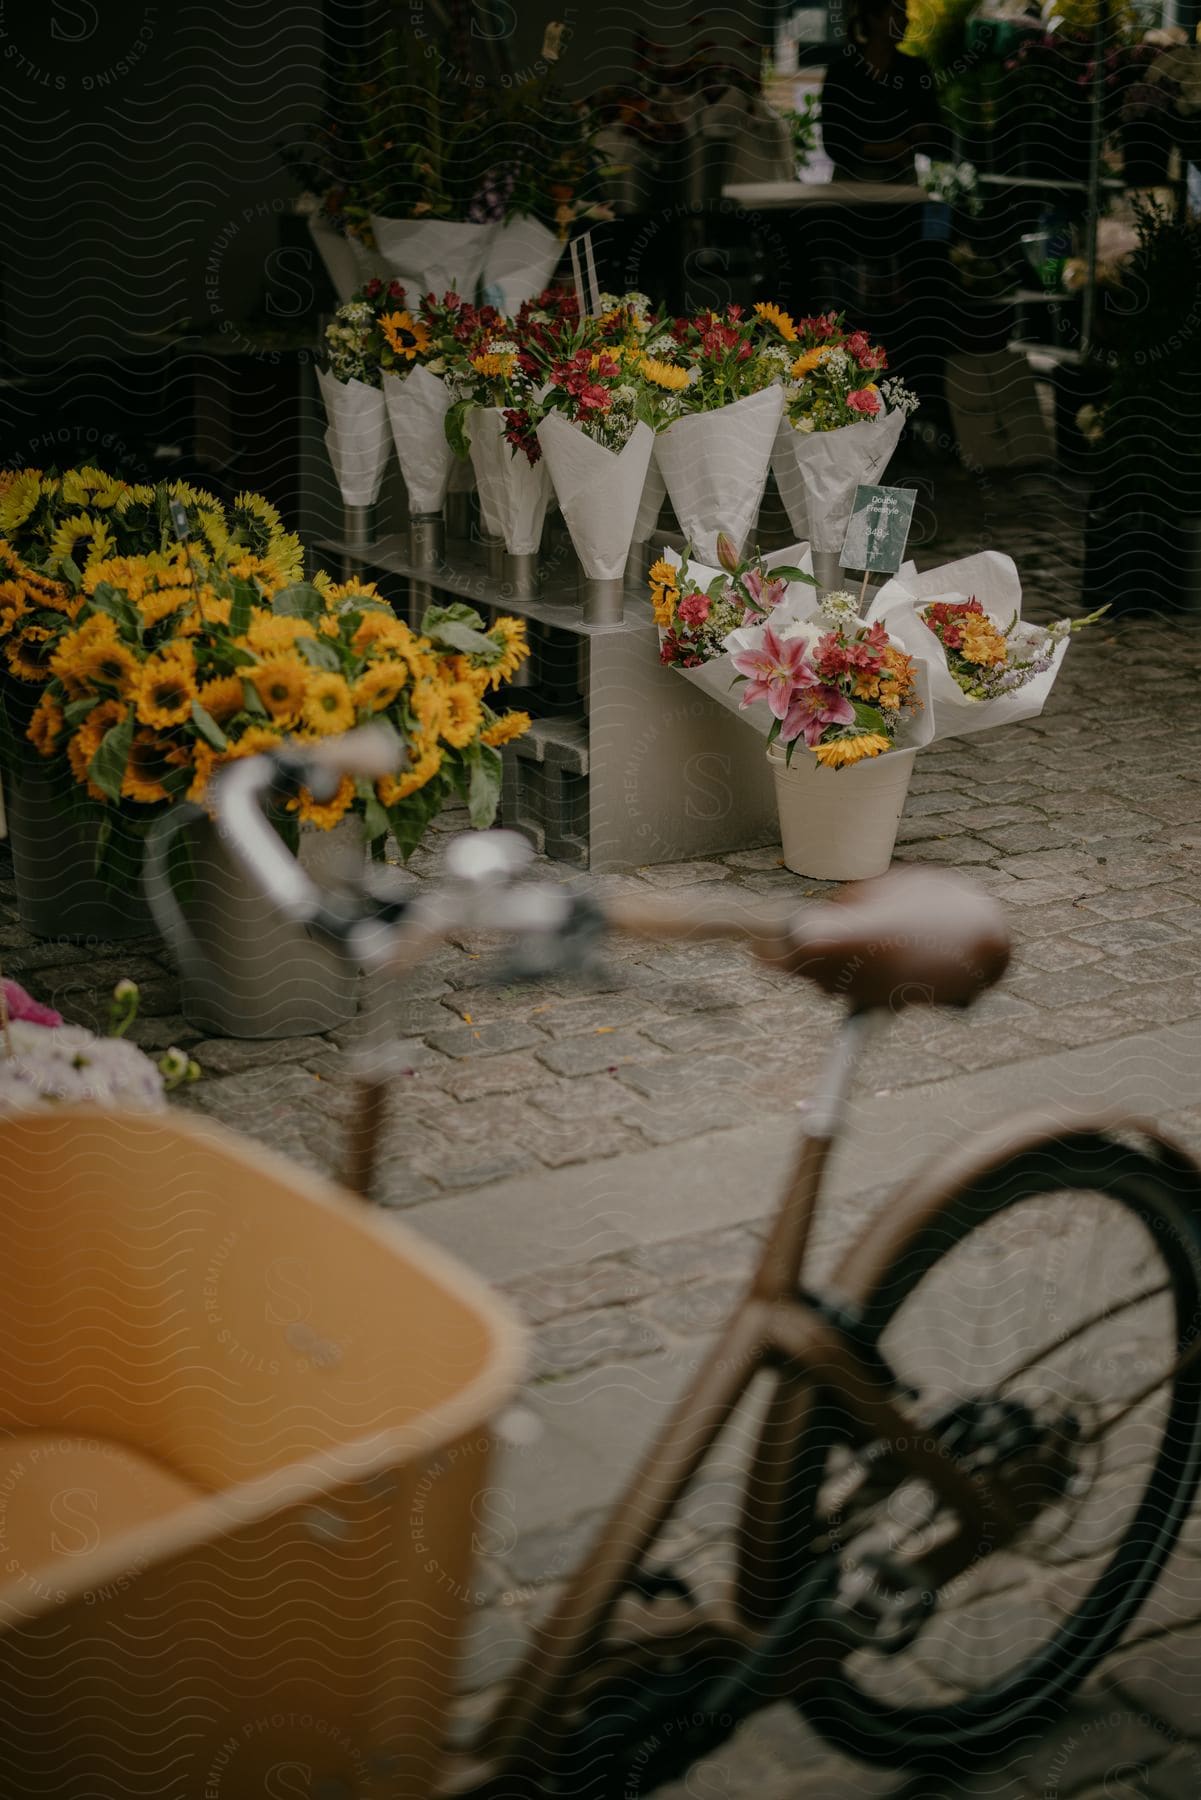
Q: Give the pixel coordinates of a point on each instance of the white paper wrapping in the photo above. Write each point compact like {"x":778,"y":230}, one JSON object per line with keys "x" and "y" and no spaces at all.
{"x":653,"y":495}
{"x":336,"y":254}
{"x":598,"y":490}
{"x":521,"y":258}
{"x":715,"y":467}
{"x":417,"y":406}
{"x":993,"y":580}
{"x":513,"y":496}
{"x":817,"y":473}
{"x":358,"y":439}
{"x":430,"y":256}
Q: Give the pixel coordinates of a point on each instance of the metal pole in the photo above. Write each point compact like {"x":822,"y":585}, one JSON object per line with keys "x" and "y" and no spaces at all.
{"x":1096,"y":135}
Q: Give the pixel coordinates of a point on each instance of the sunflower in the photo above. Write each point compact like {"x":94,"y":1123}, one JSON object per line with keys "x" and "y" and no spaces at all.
{"x":223,"y":697}
{"x":510,"y":725}
{"x":19,"y":499}
{"x":406,"y":336}
{"x":280,"y":685}
{"x":204,"y":762}
{"x":211,"y":608}
{"x":106,"y":662}
{"x":664,"y":601}
{"x":88,"y":739}
{"x":325,"y":813}
{"x":166,"y":688}
{"x":665,"y":374}
{"x":807,"y":362}
{"x":381,"y":629}
{"x":46,"y":725}
{"x":81,"y":530}
{"x":328,"y":706}
{"x":13,"y":605}
{"x":463,"y":715}
{"x":773,"y":315}
{"x":150,"y":759}
{"x":510,"y":634}
{"x":428,"y":702}
{"x":380,"y":686}
{"x":270,"y":634}
{"x":162,"y":603}
{"x":254,"y":741}
{"x":29,"y":653}
{"x":392,"y":789}
{"x":840,"y":752}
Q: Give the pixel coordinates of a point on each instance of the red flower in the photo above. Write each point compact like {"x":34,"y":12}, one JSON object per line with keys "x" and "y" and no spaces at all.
{"x":519,"y":432}
{"x":862,"y":400}
{"x":694,"y":609}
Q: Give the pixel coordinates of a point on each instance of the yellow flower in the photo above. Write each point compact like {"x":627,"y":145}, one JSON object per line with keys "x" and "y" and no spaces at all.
{"x":328,"y":706}
{"x":270,"y":633}
{"x":807,"y":362}
{"x":29,"y":653}
{"x":392,"y":789}
{"x":18,"y":500}
{"x":204,"y":762}
{"x":510,"y":633}
{"x":254,"y":741}
{"x":407,"y":336}
{"x":150,"y":759}
{"x":210,"y":608}
{"x":103,"y":662}
{"x":166,"y":688}
{"x":496,"y":368}
{"x":381,"y":628}
{"x":79,"y":531}
{"x":891,"y":685}
{"x":280,"y":684}
{"x":663,"y":573}
{"x":222,"y":697}
{"x":772,"y":315}
{"x":381,"y":685}
{"x":982,"y":642}
{"x":87,"y":741}
{"x":463,"y":715}
{"x":509,"y":726}
{"x":664,"y":600}
{"x":842,"y":751}
{"x":325,"y":813}
{"x":159,"y":605}
{"x":665,"y":374}
{"x":428,"y":701}
{"x":46,"y":725}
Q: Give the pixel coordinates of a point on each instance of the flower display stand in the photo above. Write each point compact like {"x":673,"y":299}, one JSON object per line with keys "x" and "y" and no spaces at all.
{"x":625,"y":765}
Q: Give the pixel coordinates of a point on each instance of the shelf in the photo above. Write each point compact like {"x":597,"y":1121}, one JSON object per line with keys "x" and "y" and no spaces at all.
{"x":1110,"y":182}
{"x":1053,"y":355}
{"x":1029,"y":296}
{"x":464,"y":573}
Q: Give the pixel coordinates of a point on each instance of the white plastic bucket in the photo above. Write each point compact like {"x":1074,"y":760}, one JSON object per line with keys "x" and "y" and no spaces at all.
{"x":840,"y":824}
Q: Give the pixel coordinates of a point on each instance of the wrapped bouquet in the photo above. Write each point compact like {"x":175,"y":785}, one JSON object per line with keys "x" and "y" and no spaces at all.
{"x":987,"y":666}
{"x":718,"y":406}
{"x":357,"y":437}
{"x":842,"y":423}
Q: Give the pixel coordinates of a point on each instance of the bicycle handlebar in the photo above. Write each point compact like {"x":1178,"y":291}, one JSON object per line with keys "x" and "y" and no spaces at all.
{"x":915,"y":935}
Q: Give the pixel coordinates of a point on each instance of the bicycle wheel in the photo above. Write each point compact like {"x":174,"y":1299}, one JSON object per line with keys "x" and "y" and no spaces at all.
{"x":1054,"y":1292}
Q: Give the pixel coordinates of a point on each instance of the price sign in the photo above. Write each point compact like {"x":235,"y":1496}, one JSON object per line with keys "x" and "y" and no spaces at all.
{"x":878,"y":529}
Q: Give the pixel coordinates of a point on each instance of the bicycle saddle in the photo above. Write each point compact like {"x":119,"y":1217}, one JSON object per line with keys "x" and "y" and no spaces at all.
{"x":913,"y":937}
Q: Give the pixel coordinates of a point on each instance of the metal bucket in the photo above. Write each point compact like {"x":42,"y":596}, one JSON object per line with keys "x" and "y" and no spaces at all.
{"x":244,"y":971}
{"x":54,"y":848}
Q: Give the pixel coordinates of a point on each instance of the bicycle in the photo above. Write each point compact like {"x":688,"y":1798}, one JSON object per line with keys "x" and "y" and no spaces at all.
{"x":902,"y":1476}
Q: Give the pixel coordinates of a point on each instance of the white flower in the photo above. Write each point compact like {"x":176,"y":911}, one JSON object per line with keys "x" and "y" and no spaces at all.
{"x":805,"y":631}
{"x":64,"y":1064}
{"x":840,"y":608}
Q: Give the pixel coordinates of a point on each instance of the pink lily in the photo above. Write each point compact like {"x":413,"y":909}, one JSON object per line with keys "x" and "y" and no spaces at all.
{"x":812,"y":709}
{"x":765,"y":594}
{"x":775,"y":672}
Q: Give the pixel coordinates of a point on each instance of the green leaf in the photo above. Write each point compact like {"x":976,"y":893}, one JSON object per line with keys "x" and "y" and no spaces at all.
{"x":79,"y":709}
{"x":457,"y":435}
{"x":300,"y":601}
{"x":375,"y":818}
{"x":107,"y":767}
{"x":870,"y":718}
{"x":458,"y":610}
{"x":208,"y":728}
{"x":252,"y":703}
{"x":320,"y":653}
{"x":109,"y":600}
{"x":177,"y":783}
{"x":774,"y":732}
{"x":785,"y":572}
{"x":483,"y":789}
{"x":70,"y":568}
{"x":410,"y":818}
{"x":244,"y":596}
{"x":458,"y":628}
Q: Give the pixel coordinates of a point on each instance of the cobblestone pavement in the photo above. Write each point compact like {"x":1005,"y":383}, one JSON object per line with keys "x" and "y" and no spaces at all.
{"x":606,"y":1149}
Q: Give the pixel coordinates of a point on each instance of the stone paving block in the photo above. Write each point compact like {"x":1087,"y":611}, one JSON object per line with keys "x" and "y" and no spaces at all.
{"x":687,"y":1078}
{"x":233,"y":1056}
{"x":1050,"y":954}
{"x":1123,"y":937}
{"x":486,"y":1039}
{"x":682,"y":874}
{"x":594,"y":1012}
{"x":589,"y":1055}
{"x":958,"y":851}
{"x":476,"y":1078}
{"x":1065,"y":987}
{"x":584,"y":1340}
{"x":581,"y":1287}
{"x":1017,"y":840}
{"x":704,"y":1031}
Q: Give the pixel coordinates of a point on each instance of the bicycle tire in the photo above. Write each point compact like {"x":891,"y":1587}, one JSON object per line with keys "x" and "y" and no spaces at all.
{"x":1166,"y":1200}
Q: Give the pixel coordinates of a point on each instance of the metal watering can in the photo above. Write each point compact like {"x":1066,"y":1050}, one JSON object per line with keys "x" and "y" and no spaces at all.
{"x":245,"y":971}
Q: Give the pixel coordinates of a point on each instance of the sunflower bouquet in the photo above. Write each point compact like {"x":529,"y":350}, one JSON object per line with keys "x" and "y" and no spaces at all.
{"x":161,"y":669}
{"x":721,"y":404}
{"x":61,"y":524}
{"x":357,"y":435}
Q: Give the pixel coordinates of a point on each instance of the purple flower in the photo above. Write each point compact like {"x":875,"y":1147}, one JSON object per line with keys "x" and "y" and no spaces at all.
{"x":812,"y":709}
